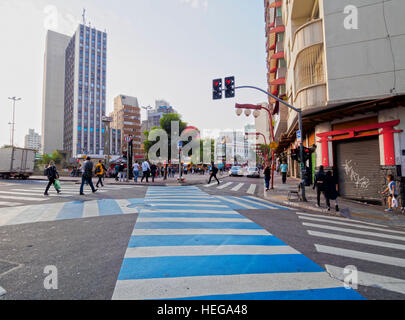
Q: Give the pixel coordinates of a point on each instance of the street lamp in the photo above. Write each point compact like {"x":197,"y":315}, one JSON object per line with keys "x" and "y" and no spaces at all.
{"x":14,"y":99}
{"x":107,"y":121}
{"x":256,"y":113}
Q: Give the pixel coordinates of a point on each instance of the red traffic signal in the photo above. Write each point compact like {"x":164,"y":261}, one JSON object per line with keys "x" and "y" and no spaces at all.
{"x":217,"y":89}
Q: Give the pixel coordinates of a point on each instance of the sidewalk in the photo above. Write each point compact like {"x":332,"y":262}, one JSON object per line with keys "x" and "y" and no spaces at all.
{"x":348,"y":208}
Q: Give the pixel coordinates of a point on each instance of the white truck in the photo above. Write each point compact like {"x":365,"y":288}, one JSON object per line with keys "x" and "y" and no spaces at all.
{"x":17,"y":163}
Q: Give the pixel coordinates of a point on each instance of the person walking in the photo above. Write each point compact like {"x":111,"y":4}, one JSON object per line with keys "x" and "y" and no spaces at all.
{"x":267,"y":177}
{"x":153,"y":170}
{"x":284,"y":171}
{"x":116,"y":171}
{"x":145,"y":171}
{"x":121,"y":172}
{"x":392,"y":190}
{"x":331,"y":190}
{"x":319,"y":184}
{"x":87,"y":177}
{"x":52,"y":175}
{"x":214,"y":171}
{"x":99,"y":173}
{"x":136,"y":171}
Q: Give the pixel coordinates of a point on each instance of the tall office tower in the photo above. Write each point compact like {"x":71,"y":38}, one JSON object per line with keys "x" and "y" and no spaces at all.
{"x":53,"y":92}
{"x":32,"y":140}
{"x":85,"y":92}
{"x":127,"y":119}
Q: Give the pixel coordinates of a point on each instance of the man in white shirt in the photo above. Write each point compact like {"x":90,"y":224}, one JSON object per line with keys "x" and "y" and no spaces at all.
{"x":146,"y":171}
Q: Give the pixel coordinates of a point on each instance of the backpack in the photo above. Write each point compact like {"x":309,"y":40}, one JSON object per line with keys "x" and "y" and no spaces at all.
{"x":98,"y":169}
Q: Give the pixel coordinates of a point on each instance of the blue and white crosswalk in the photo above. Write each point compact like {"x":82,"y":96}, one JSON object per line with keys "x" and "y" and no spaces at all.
{"x":206,"y":250}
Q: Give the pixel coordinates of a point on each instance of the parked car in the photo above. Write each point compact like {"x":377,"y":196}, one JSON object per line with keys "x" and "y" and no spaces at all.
{"x":253,"y":172}
{"x":236,"y":172}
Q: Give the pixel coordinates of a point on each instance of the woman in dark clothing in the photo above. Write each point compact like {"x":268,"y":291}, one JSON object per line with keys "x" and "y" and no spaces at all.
{"x":52,"y":175}
{"x":331,"y":190}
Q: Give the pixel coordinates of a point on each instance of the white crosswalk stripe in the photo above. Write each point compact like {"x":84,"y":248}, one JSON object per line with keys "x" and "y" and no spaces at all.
{"x":236,"y":187}
{"x":356,"y":240}
{"x":251,"y":189}
{"x":224,"y":186}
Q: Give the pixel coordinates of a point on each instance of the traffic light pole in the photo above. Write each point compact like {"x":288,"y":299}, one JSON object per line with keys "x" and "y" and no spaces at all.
{"x":299,"y":111}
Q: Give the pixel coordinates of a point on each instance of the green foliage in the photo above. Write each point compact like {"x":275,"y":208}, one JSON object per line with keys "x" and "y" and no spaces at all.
{"x":57,"y":157}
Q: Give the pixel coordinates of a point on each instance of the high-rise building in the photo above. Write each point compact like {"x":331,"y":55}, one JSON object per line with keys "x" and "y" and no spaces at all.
{"x":53,"y":92}
{"x":154,"y":115}
{"x":345,"y":70}
{"x":85,"y":92}
{"x":32,"y":140}
{"x":127,"y":118}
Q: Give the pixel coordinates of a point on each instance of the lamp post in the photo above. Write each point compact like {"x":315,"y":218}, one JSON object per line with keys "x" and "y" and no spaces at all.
{"x":299,"y":111}
{"x":107,"y":121}
{"x":256,"y":113}
{"x":14,"y":99}
{"x":265,"y":142}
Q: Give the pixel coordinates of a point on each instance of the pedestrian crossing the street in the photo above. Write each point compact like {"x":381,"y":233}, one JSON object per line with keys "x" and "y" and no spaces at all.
{"x":14,"y":196}
{"x":233,"y":187}
{"x":359,"y":242}
{"x":179,"y":252}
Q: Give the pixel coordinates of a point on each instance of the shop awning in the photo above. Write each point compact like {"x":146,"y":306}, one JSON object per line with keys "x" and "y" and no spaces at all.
{"x":278,"y":82}
{"x":275,"y":4}
{"x":278,"y":55}
{"x":278,"y":29}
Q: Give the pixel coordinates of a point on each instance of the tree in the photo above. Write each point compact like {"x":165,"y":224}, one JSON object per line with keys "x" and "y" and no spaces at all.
{"x":57,"y":157}
{"x":46,"y":158}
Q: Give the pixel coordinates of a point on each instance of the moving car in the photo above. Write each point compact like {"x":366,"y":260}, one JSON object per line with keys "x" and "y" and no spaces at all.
{"x":236,"y":172}
{"x":253,"y":172}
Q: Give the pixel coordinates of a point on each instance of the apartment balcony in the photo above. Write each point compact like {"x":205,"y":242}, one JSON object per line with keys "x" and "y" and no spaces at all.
{"x":309,"y":67}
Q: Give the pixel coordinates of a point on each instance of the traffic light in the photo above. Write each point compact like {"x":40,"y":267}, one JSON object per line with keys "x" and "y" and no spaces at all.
{"x":295,"y":154}
{"x":230,"y":87}
{"x":307,"y":154}
{"x":217,"y":89}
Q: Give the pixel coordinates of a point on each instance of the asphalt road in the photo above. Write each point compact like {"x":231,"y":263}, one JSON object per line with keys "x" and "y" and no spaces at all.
{"x":87,"y":241}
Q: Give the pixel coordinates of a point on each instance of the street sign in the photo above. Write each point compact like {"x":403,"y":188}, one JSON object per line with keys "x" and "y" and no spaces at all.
{"x":274,"y":145}
{"x":128,"y":139}
{"x":299,"y":136}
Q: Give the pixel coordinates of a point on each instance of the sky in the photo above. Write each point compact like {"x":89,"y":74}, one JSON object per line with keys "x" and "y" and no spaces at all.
{"x":157,"y":49}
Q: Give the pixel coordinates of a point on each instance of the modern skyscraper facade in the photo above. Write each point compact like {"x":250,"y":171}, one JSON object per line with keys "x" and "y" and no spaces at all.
{"x":53,"y":92}
{"x":85,"y":92}
{"x":32,"y":140}
{"x":154,"y":115}
{"x":127,"y":118}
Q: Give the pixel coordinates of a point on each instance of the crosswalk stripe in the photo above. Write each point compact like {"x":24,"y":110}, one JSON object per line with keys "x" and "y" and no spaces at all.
{"x":160,"y":232}
{"x":269,"y":206}
{"x":184,"y":200}
{"x":188,"y":211}
{"x":224,"y":185}
{"x":51,"y":212}
{"x":262,"y":201}
{"x":10,"y":204}
{"x":341,"y":219}
{"x":191,"y":205}
{"x":144,"y":289}
{"x":238,"y":187}
{"x":356,"y":240}
{"x":210,"y":185}
{"x":90,"y":209}
{"x":236,"y":202}
{"x":141,"y":220}
{"x":123,"y":204}
{"x":355,"y":231}
{"x":351,"y":225}
{"x":361,"y":255}
{"x":10,"y":214}
{"x":22,"y":198}
{"x":252,"y":189}
{"x":180,"y":251}
{"x":370,"y":280}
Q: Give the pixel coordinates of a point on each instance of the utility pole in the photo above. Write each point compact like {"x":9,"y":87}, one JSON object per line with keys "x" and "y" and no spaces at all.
{"x":14,"y":99}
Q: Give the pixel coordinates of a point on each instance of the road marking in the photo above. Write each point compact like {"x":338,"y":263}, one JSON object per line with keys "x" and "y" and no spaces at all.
{"x":188,"y":205}
{"x":212,"y":200}
{"x":261,"y":204}
{"x":123,"y":204}
{"x":238,"y":187}
{"x":187,"y":211}
{"x":51,"y":212}
{"x":252,"y":189}
{"x":140,"y":220}
{"x":261,"y":201}
{"x":10,"y":204}
{"x":224,"y":185}
{"x":2,"y":292}
{"x":10,"y":213}
{"x":160,"y":232}
{"x":90,"y":209}
{"x":356,"y":240}
{"x":171,"y":288}
{"x":361,"y":255}
{"x":179,"y":251}
{"x":341,"y":219}
{"x":351,"y":225}
{"x":355,"y":231}
{"x":236,"y":202}
{"x":210,"y":185}
{"x":370,"y":280}
{"x":22,"y":198}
